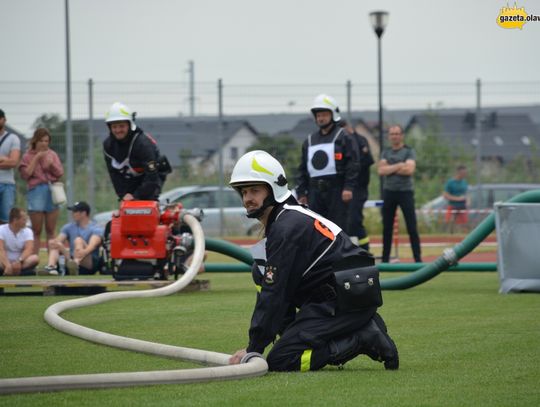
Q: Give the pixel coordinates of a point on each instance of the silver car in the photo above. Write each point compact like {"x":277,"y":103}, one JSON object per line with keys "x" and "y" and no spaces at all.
{"x":235,"y":222}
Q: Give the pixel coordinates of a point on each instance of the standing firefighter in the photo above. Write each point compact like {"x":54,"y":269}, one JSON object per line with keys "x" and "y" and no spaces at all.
{"x":328,"y":171}
{"x":136,"y":169}
{"x":356,"y":229}
{"x":298,"y":298}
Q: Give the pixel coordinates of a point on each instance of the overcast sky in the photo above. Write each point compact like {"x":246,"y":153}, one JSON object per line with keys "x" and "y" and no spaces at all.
{"x":266,"y":42}
{"x":252,"y":41}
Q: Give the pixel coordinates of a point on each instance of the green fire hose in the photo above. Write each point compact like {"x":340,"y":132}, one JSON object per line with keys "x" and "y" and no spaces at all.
{"x":422,"y":272}
{"x":384,"y":267}
{"x":451,"y":256}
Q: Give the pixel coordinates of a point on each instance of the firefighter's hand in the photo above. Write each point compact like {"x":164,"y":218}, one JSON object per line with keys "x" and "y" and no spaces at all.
{"x":303,"y":200}
{"x":237,"y":357}
{"x":128,"y":197}
{"x":346,"y":195}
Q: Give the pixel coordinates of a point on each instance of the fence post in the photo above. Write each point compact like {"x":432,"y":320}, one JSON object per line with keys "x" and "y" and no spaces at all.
{"x":91,"y":169}
{"x":69,"y":128}
{"x":396,"y":236}
{"x":349,"y":103}
{"x":478,"y":136}
{"x":220,"y":138}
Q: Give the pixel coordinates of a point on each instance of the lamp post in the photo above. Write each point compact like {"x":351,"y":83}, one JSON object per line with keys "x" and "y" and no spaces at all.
{"x":379,"y":19}
{"x":69,"y":128}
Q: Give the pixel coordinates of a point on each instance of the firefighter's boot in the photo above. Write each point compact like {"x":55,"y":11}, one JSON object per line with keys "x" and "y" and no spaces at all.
{"x":371,"y":340}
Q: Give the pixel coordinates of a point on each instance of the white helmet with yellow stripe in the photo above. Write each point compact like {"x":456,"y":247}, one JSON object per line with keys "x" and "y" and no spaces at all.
{"x":326,"y":102}
{"x":119,"y":112}
{"x":258,"y":166}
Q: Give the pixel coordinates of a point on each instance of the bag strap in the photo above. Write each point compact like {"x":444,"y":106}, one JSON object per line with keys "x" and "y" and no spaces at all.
{"x":4,"y":138}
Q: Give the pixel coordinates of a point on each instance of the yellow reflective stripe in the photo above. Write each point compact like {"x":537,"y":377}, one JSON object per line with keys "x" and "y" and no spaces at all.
{"x":258,"y":287}
{"x":364,"y":240}
{"x":258,"y":167}
{"x":305,"y":361}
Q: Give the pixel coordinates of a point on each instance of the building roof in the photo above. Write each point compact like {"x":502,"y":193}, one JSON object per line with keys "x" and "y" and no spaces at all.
{"x":301,"y":129}
{"x":306,"y":126}
{"x":10,"y":129}
{"x":199,"y":134}
{"x":503,"y":136}
{"x":174,"y":134}
{"x":22,"y":138}
{"x":271,"y":124}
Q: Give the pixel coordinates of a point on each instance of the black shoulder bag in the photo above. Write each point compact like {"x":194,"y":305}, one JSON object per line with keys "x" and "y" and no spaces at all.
{"x":357,"y":283}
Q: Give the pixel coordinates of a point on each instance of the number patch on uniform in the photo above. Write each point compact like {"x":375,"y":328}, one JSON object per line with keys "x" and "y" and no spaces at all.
{"x":270,"y":274}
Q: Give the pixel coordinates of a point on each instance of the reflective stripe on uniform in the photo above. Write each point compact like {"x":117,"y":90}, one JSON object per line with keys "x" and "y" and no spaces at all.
{"x":323,"y":230}
{"x":258,"y":252}
{"x":305,"y":361}
{"x":365,"y":240}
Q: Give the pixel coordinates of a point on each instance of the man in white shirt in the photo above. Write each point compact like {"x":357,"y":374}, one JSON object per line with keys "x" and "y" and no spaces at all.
{"x":17,"y":246}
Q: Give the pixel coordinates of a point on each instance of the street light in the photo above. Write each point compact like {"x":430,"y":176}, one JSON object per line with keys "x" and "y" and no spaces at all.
{"x":379,"y":19}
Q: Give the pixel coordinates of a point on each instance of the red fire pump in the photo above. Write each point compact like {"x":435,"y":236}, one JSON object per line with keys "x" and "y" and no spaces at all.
{"x":144,"y":243}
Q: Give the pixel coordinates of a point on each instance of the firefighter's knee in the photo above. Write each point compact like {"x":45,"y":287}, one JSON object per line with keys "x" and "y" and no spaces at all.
{"x":283,"y":362}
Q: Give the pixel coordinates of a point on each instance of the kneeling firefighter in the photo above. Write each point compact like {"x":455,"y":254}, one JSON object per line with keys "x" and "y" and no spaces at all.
{"x":306,"y":270}
{"x":136,"y":168}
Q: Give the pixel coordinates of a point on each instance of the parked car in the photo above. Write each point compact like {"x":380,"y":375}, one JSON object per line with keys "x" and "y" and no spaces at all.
{"x":480,"y":201}
{"x":235,"y":222}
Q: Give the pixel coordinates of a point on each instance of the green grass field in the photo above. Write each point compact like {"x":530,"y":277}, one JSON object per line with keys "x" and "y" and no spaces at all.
{"x":461,"y":344}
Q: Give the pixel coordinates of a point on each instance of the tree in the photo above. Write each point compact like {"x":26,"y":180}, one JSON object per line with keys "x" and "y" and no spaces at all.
{"x":436,"y":161}
{"x":185,"y":167}
{"x":285,"y":149}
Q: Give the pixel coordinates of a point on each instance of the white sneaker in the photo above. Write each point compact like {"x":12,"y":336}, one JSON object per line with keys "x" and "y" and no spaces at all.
{"x":51,"y":270}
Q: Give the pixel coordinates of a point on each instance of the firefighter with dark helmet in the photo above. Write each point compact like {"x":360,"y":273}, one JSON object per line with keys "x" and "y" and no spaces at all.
{"x":329,"y":165}
{"x":135,"y":166}
{"x":293,"y":270}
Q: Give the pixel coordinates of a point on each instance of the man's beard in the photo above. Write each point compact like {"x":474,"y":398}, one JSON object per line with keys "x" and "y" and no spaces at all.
{"x":326,"y":125}
{"x":256,"y":213}
{"x":259,"y":212}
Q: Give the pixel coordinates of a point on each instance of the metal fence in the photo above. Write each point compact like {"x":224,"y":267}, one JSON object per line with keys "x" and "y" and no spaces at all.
{"x":25,"y":101}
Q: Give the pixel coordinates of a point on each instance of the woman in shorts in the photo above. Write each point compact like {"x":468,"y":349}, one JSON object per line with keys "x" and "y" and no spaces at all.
{"x":39,"y":167}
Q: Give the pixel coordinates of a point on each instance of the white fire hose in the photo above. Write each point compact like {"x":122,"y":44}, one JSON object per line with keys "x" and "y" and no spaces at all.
{"x":252,"y":365}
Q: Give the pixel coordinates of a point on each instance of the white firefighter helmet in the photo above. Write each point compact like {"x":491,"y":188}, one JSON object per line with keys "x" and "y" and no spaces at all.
{"x":258,"y":166}
{"x":119,"y":112}
{"x":326,"y":102}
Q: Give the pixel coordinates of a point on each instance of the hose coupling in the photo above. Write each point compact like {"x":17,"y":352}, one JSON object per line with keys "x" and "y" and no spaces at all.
{"x":195,"y":212}
{"x":450,"y":256}
{"x":248,"y":356}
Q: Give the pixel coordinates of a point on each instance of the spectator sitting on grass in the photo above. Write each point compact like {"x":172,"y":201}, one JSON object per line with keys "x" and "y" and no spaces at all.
{"x":17,"y":246}
{"x":84,"y":239}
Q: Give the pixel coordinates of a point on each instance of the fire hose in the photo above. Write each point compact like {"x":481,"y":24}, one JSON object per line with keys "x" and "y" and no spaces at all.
{"x":252,"y":364}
